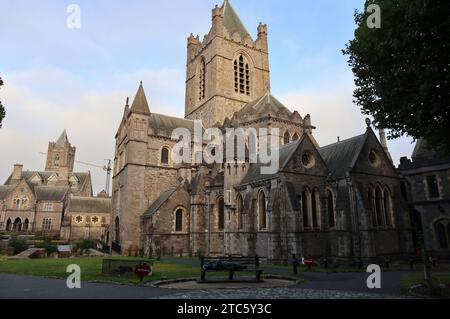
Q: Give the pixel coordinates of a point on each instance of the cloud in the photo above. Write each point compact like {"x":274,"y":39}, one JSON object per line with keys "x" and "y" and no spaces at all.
{"x":37,"y":114}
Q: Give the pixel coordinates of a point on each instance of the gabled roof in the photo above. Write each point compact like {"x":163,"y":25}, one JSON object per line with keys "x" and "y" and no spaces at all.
{"x":341,"y":157}
{"x":50,"y":193}
{"x":63,"y":139}
{"x":254,"y":172}
{"x":266,"y":104}
{"x":160,"y":201}
{"x":232,"y":21}
{"x":140,"y":104}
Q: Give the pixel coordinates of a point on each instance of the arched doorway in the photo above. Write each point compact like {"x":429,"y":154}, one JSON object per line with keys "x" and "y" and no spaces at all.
{"x":17,"y":224}
{"x":8,"y":224}
{"x":26,"y":225}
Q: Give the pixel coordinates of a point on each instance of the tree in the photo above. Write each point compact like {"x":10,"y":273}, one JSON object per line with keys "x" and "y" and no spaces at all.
{"x":402,"y":69}
{"x":2,"y":109}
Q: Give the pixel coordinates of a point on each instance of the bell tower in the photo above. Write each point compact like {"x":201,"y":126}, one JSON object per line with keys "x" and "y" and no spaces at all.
{"x":226,"y":70}
{"x":60,"y":156}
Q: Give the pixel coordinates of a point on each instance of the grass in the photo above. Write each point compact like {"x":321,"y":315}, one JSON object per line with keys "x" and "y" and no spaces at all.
{"x":418,"y":278}
{"x":91,"y":269}
{"x":440,"y":285}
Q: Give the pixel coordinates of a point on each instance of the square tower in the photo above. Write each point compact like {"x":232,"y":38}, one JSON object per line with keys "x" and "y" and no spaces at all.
{"x":226,"y":70}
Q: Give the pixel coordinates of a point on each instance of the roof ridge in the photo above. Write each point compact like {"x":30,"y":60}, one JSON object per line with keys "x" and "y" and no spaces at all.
{"x":343,"y":141}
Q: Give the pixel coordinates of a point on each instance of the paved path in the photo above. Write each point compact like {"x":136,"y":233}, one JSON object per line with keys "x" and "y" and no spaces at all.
{"x":318,"y":286}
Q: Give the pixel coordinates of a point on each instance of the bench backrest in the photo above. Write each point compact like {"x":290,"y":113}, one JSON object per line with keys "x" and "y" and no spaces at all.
{"x":253,"y":261}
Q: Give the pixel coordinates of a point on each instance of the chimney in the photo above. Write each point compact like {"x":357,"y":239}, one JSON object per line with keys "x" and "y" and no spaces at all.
{"x":17,"y":172}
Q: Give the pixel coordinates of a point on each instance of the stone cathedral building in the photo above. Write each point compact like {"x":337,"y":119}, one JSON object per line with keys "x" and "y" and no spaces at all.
{"x":341,"y":200}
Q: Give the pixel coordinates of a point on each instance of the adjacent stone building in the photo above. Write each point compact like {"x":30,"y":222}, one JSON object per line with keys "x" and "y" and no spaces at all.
{"x":427,"y":189}
{"x":342,"y":201}
{"x":40,"y":201}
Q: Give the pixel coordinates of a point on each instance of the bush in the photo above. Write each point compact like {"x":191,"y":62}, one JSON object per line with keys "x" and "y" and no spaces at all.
{"x":18,"y":245}
{"x":49,"y":247}
{"x":84,"y":245}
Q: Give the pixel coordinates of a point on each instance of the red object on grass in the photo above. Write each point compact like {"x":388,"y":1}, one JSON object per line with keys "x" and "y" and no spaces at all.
{"x":142,"y":271}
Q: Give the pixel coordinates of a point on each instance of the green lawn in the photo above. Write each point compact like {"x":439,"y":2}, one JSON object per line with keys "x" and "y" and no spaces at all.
{"x":91,"y":270}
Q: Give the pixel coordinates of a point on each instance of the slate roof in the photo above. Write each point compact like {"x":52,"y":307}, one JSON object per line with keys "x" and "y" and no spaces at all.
{"x":232,"y":21}
{"x":264,"y":105}
{"x":160,"y":201}
{"x":5,"y":190}
{"x":93,"y":205}
{"x":165,"y":125}
{"x":341,"y":157}
{"x":50,"y":193}
{"x":254,"y":172}
{"x":140,"y":104}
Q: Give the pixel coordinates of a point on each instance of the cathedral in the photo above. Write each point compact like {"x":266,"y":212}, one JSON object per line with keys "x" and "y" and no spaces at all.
{"x":342,"y":201}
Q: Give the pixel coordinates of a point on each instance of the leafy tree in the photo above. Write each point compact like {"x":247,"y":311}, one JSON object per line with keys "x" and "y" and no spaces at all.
{"x":402,"y":69}
{"x":18,"y":245}
{"x":2,"y":109}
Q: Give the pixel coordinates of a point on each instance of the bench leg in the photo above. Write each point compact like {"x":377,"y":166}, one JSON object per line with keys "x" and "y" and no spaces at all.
{"x":231,"y":275}
{"x":258,"y":275}
{"x":203,"y":275}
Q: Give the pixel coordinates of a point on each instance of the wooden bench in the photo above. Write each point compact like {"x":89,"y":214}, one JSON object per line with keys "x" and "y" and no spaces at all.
{"x":249,"y":264}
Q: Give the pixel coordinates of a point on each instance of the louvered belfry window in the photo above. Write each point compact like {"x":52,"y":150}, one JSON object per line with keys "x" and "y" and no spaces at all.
{"x":241,"y":76}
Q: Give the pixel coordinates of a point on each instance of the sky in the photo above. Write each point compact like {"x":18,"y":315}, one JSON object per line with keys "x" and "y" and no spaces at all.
{"x":60,"y":78}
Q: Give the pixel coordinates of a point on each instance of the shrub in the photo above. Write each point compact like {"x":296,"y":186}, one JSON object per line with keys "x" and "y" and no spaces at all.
{"x":49,"y":247}
{"x":18,"y":245}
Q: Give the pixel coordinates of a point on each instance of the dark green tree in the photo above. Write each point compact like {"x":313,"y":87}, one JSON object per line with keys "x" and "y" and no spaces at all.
{"x":2,"y":109}
{"x":402,"y":69}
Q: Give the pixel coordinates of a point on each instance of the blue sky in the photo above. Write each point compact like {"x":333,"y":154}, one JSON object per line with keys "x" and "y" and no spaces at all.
{"x":57,"y":78}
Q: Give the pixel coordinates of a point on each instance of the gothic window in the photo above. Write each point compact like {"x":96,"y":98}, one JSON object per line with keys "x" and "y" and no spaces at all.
{"x":202,"y":79}
{"x":56,"y":161}
{"x":287,"y":138}
{"x":379,"y":206}
{"x":442,"y":236}
{"x":432,"y":184}
{"x":241,"y":76}
{"x":315,"y":205}
{"x":388,"y":207}
{"x":8,"y":224}
{"x":239,"y":206}
{"x":372,"y":204}
{"x":295,"y":137}
{"x":305,"y":208}
{"x":26,"y":225}
{"x":179,"y":220}
{"x":165,"y":156}
{"x":262,"y":210}
{"x":46,"y":224}
{"x":221,"y":213}
{"x":330,"y":206}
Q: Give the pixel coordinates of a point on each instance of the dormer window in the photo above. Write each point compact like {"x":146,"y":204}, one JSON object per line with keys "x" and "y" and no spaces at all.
{"x":241,"y":76}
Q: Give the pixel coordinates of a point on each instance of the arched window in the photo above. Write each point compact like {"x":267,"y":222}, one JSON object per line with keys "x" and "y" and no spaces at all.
{"x":287,"y":138}
{"x":388,"y":207}
{"x":330,"y":206}
{"x":295,"y":137}
{"x":117,"y":230}
{"x":179,"y":220}
{"x":305,"y":208}
{"x":8,"y":224}
{"x":379,"y":206}
{"x":202,"y":83}
{"x":239,"y":206}
{"x":17,"y":224}
{"x":441,"y":236}
{"x":26,"y":224}
{"x":262,"y":210}
{"x":56,"y":162}
{"x":165,"y":156}
{"x":373,"y":209}
{"x":315,"y":205}
{"x":241,"y":76}
{"x":221,"y":213}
